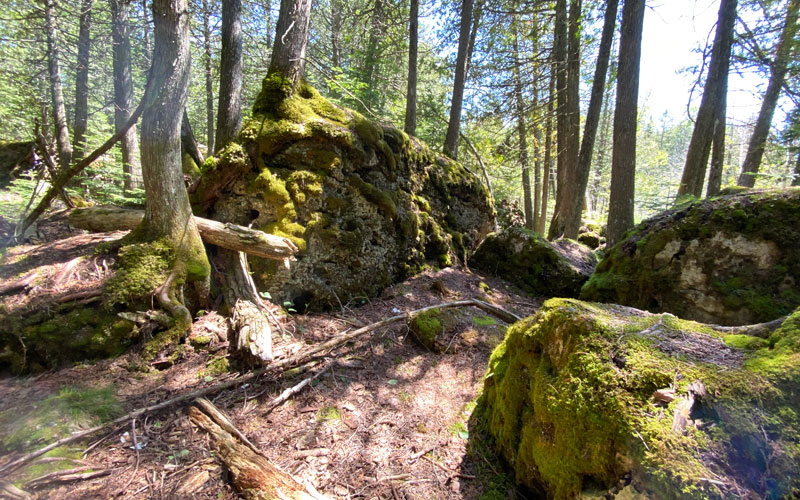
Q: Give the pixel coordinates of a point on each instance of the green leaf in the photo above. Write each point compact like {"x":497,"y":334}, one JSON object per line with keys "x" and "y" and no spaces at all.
{"x":392,"y":381}
{"x":463,"y":434}
{"x":183,"y":453}
{"x":208,"y":378}
{"x":265,"y":295}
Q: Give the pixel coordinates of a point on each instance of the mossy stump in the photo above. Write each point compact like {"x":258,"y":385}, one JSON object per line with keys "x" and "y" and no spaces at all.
{"x":534,"y":264}
{"x":731,"y":260}
{"x":569,"y":402}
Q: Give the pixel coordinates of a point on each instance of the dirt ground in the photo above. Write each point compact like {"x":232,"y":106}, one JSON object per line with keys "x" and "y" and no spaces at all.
{"x":387,"y":419}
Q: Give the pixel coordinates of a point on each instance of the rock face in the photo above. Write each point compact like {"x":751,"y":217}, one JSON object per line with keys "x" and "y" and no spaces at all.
{"x":582,"y":397}
{"x":733,"y":260}
{"x":366,"y":204}
{"x":534,"y":264}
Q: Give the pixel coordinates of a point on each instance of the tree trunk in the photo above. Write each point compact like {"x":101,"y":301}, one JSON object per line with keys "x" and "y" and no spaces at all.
{"x":623,"y":161}
{"x":148,"y":49}
{"x":291,"y":38}
{"x":572,"y":211}
{"x":370,"y":63}
{"x":796,"y":180}
{"x":209,"y":79}
{"x":224,"y":235}
{"x":537,"y":149}
{"x":189,"y":142}
{"x":82,"y":81}
{"x":522,"y":133}
{"x":229,"y":111}
{"x":560,"y":68}
{"x":336,"y":33}
{"x":123,"y":93}
{"x":411,"y":96}
{"x":718,"y":145}
{"x":548,"y":149}
{"x":56,"y":90}
{"x":454,"y":124}
{"x":784,"y":53}
{"x":694,"y":171}
{"x":167,"y":210}
{"x":569,"y":143}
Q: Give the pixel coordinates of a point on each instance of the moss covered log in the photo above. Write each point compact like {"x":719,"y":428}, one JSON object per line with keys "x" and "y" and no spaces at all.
{"x":366,"y":204}
{"x":569,"y":402}
{"x":731,"y":260}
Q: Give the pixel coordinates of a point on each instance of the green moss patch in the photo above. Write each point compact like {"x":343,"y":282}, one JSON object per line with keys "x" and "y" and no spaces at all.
{"x":568,"y":401}
{"x":142,"y":267}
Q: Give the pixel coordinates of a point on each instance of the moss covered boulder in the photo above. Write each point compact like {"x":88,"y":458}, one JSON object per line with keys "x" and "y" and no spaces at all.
{"x":366,"y":204}
{"x":732,"y":260}
{"x":534,"y":264}
{"x":581,"y":398}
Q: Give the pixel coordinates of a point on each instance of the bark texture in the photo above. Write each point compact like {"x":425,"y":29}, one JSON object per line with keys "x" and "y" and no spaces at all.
{"x":209,"y":78}
{"x":229,"y":111}
{"x":56,"y":89}
{"x":291,"y":38}
{"x":411,"y":95}
{"x":457,"y":100}
{"x":522,"y":132}
{"x":694,"y":171}
{"x":784,"y":53}
{"x":548,"y":151}
{"x":623,"y":161}
{"x":123,"y":92}
{"x":82,"y":81}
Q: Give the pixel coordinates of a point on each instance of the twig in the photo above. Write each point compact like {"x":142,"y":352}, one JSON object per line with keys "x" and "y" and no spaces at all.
{"x":65,"y":476}
{"x":291,"y":391}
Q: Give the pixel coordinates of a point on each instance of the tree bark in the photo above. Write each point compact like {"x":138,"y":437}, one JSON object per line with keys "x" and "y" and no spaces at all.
{"x":229,"y":111}
{"x":537,"y":149}
{"x":123,"y":93}
{"x":522,"y":132}
{"x":168,"y":214}
{"x":411,"y":96}
{"x":569,"y":113}
{"x":188,"y":141}
{"x":784,"y":53}
{"x":560,"y":69}
{"x":56,"y":89}
{"x":796,"y":180}
{"x":548,"y":149}
{"x":572,"y":211}
{"x":82,"y":81}
{"x":291,"y":38}
{"x":718,"y":145}
{"x":370,"y":62}
{"x":229,"y":236}
{"x":694,"y":171}
{"x":457,"y":100}
{"x":623,"y":161}
{"x":209,"y":79}
{"x":146,"y":35}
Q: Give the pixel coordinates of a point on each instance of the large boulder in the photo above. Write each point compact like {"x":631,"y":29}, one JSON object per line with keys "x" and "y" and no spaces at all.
{"x":592,"y":400}
{"x":534,"y":264}
{"x":366,"y":204}
{"x":732,"y":260}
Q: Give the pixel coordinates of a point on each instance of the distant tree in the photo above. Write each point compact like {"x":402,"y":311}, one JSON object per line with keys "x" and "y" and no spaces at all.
{"x":291,"y":39}
{"x":522,"y":129}
{"x":123,"y":91}
{"x":456,"y":102}
{"x":548,"y":149}
{"x":229,"y":111}
{"x":623,"y":162}
{"x":209,"y":78}
{"x":56,"y":87}
{"x":711,"y":104}
{"x":411,"y":95}
{"x":784,"y":53}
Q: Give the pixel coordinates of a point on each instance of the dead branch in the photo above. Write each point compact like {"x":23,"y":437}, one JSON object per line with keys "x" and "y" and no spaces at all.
{"x":230,"y":236}
{"x":8,"y":490}
{"x":762,"y":330}
{"x":683,"y":410}
{"x":66,"y":476}
{"x":252,"y":474}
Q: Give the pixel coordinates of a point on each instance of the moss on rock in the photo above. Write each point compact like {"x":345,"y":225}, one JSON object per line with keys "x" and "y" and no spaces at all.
{"x":568,"y":401}
{"x":533,"y":263}
{"x":732,"y":260}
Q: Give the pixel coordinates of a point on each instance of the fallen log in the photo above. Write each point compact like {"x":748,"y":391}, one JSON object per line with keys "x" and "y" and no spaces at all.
{"x":252,"y":474}
{"x":230,"y":236}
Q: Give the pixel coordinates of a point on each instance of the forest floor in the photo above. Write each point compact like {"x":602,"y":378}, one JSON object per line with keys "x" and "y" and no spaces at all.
{"x":387,"y":419}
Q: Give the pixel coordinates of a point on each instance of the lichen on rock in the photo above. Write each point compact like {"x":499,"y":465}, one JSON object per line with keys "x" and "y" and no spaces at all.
{"x":568,"y":401}
{"x":366,"y":204}
{"x":534,"y":264}
{"x":731,"y":260}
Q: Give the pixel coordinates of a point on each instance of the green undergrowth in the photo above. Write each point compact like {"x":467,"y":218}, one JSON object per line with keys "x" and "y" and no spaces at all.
{"x":568,"y":403}
{"x":72,"y":409}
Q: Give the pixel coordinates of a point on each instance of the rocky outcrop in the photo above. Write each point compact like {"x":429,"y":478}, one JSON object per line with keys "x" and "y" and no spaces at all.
{"x":587,"y":400}
{"x":732,"y":260}
{"x":366,"y":204}
{"x":534,"y":264}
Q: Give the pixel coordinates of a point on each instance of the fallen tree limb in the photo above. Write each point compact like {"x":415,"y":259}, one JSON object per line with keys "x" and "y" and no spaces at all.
{"x":277,"y":365}
{"x":252,"y":474}
{"x":66,"y":175}
{"x":230,"y":236}
{"x":762,"y":330}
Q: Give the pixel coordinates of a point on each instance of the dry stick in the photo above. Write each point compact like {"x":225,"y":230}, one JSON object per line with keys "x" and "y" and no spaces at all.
{"x":291,"y":391}
{"x":276,"y":365}
{"x":68,"y":174}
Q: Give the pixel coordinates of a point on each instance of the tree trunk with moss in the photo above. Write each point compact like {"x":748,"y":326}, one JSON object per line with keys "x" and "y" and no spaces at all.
{"x":168,"y":215}
{"x":291,"y":38}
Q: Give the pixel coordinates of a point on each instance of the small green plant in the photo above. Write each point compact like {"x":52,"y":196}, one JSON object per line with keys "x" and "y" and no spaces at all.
{"x":405,"y":397}
{"x":483,"y":321}
{"x":328,"y":413}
